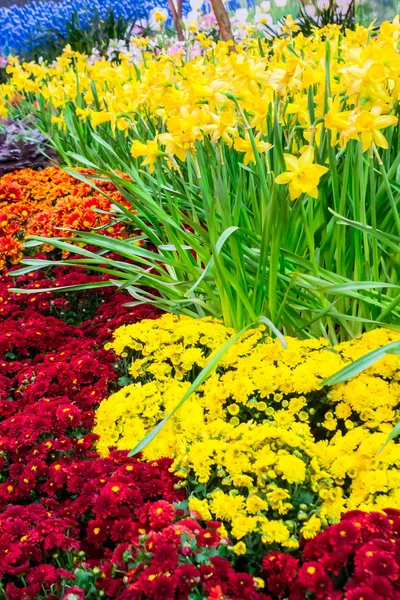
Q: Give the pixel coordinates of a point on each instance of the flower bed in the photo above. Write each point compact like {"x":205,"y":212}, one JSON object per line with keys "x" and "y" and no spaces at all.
{"x":73,"y":522}
{"x":357,"y":559}
{"x":260,"y":444}
{"x":51,"y":202}
{"x":286,"y":126}
{"x":67,"y":516}
{"x":28,"y":26}
{"x":264,"y":460}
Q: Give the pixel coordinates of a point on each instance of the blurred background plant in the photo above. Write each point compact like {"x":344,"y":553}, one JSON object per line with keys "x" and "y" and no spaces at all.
{"x":319,"y":13}
{"x":368,"y":11}
{"x":97,"y":33}
{"x":22,"y":145}
{"x":28,"y":28}
{"x":40,"y":30}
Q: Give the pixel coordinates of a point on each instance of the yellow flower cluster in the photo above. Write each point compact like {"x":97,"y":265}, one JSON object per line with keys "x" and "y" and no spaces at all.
{"x":187,"y":101}
{"x":268,"y":450}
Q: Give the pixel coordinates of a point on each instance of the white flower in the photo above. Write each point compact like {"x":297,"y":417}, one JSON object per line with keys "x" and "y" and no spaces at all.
{"x":323,"y":4}
{"x":280,"y":3}
{"x":192,"y":17}
{"x":263,"y":19}
{"x":241,"y":15}
{"x":343,"y":5}
{"x":310,"y":10}
{"x":265,"y":6}
{"x":196,"y":5}
{"x":117,"y":45}
{"x":154,"y":21}
{"x":94,"y":57}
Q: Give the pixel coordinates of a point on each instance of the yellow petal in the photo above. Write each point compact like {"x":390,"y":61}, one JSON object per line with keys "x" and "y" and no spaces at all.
{"x":294,"y":192}
{"x":291,"y":162}
{"x":284,"y":177}
{"x":138,"y":149}
{"x":385,"y":121}
{"x":307,"y":157}
{"x":380,"y":139}
{"x":319,"y":170}
{"x":366,"y":139}
{"x":313,"y":192}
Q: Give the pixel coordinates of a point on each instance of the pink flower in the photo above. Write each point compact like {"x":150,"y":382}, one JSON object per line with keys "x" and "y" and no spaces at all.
{"x":207,"y":21}
{"x":177,"y":48}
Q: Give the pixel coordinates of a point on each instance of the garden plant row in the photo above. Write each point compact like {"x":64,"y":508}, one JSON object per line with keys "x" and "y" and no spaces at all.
{"x":220,"y":239}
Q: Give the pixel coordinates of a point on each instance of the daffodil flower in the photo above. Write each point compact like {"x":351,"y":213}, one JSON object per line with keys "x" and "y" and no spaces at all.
{"x":290,"y":25}
{"x":303,"y":174}
{"x":369,"y":124}
{"x":150,"y":151}
{"x":100,"y":117}
{"x":245,"y":145}
{"x":173,"y":145}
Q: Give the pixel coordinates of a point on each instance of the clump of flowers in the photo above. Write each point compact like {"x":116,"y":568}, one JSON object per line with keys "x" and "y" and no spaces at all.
{"x":362,"y":92}
{"x":21,"y":145}
{"x":53,"y":375}
{"x":57,"y":497}
{"x":71,"y":522}
{"x":261,"y":445}
{"x":177,"y":559}
{"x":87,"y":508}
{"x":356,"y":559}
{"x":51,"y":203}
{"x":29,"y":534}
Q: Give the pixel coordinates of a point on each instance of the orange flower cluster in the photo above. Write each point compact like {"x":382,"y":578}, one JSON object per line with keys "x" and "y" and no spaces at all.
{"x":51,"y":203}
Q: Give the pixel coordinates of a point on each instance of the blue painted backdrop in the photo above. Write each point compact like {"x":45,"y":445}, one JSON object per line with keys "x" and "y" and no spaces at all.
{"x":20,"y":25}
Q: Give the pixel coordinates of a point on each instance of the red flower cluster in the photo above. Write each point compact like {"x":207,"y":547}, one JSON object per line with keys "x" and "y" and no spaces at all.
{"x":176,"y":560}
{"x":70,"y":520}
{"x":28,"y":534}
{"x":53,"y":485}
{"x":357,"y":559}
{"x":52,"y":376}
{"x":88,"y":506}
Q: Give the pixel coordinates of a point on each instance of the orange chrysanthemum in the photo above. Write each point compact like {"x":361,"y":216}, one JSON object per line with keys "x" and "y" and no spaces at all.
{"x":51,"y":203}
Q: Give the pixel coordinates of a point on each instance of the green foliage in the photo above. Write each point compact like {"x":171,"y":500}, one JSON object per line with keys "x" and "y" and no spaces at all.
{"x":329,"y":14}
{"x":223,"y":239}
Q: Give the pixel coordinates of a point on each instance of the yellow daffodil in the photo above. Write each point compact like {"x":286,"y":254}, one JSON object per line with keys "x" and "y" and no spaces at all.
{"x":150,"y":150}
{"x":140,"y":42}
{"x":60,"y":121}
{"x":123,"y":124}
{"x":159,"y":17}
{"x":303,"y":174}
{"x":338,"y":122}
{"x":83,"y":113}
{"x":369,"y":124}
{"x":173,"y":145}
{"x":100,"y":117}
{"x":245,"y":145}
{"x":290,"y":25}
